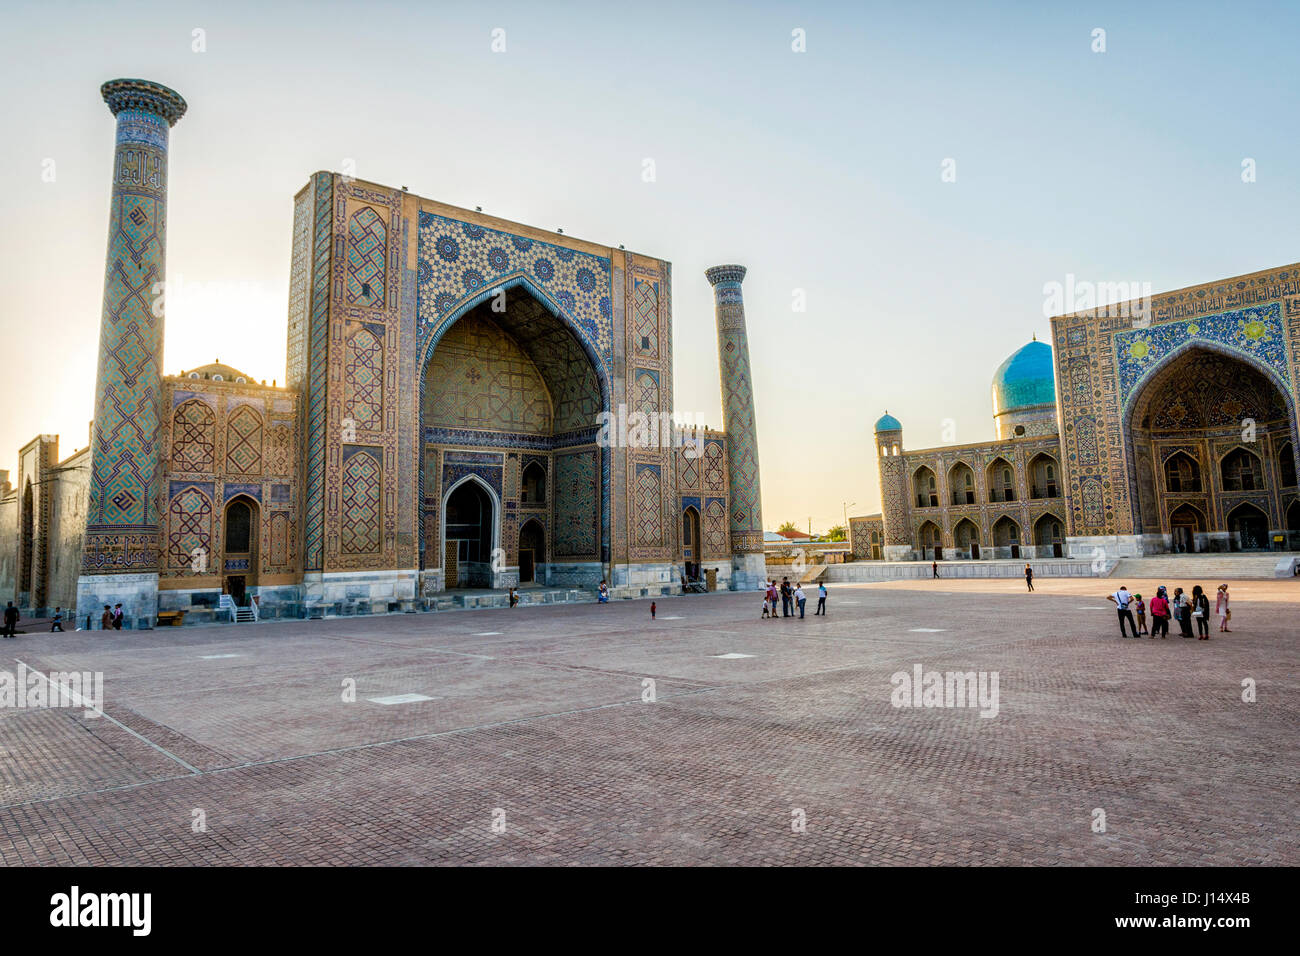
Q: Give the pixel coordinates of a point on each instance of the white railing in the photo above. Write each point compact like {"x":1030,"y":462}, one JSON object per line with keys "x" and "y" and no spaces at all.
{"x":227,"y":603}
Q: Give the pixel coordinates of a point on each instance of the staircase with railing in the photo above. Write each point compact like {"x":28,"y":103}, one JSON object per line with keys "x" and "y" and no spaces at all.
{"x":239,"y":615}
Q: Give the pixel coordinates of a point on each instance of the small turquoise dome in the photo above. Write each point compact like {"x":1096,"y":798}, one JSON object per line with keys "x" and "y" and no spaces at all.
{"x":888,"y":423}
{"x":1025,"y":379}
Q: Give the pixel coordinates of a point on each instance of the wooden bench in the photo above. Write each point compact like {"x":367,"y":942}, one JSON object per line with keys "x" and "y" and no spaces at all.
{"x":170,"y":618}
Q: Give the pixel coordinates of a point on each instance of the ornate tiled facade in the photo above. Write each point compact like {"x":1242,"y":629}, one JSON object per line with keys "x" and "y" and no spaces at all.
{"x":1119,"y":361}
{"x":1177,"y":431}
{"x":430,"y":350}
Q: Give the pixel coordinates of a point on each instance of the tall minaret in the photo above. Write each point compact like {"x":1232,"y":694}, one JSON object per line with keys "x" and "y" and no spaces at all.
{"x":748,"y":563}
{"x":894,"y":503}
{"x":120,"y":558}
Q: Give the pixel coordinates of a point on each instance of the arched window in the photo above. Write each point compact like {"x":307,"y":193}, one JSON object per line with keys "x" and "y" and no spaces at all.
{"x":533,"y":485}
{"x":1241,"y":471}
{"x":1042,"y":477}
{"x":239,"y":528}
{"x":962,"y":482}
{"x":926,"y":488}
{"x":1002,"y":480}
{"x":1182,"y":473}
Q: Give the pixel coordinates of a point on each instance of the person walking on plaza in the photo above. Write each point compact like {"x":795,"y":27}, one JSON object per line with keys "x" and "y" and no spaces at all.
{"x":772,"y":595}
{"x":1029,"y":576}
{"x":1221,"y":608}
{"x":1121,"y":599}
{"x":106,"y":619}
{"x":934,"y":569}
{"x":787,"y":597}
{"x":652,"y":610}
{"x":1183,"y":612}
{"x":821,"y":600}
{"x":799,"y":598}
{"x":11,"y":619}
{"x":1140,"y":609}
{"x":1160,"y":614}
{"x":57,"y":623}
{"x":118,"y":614}
{"x":767,"y":606}
{"x":1201,"y":612}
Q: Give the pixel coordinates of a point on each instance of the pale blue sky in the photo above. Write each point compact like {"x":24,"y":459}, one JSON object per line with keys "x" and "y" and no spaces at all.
{"x":819,"y":171}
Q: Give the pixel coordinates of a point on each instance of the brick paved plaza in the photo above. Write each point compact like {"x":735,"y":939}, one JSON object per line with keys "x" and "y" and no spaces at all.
{"x":539,"y":712}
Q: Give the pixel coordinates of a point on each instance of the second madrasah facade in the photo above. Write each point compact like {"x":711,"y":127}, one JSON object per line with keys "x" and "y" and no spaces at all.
{"x":1167,"y":425}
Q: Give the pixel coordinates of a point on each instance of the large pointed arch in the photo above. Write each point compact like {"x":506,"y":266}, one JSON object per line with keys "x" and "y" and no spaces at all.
{"x":515,"y":287}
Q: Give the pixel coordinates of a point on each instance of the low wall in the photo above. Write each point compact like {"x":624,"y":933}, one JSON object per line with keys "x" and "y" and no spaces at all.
{"x":864,"y":571}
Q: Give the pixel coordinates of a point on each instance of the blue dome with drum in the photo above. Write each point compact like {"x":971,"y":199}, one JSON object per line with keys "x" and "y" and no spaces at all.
{"x":1025,"y":380}
{"x":888,"y":423}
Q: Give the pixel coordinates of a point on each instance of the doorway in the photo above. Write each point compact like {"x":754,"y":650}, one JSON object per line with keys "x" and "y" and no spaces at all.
{"x":1184,"y":525}
{"x":470,"y":533}
{"x":532,"y":551}
{"x":242,"y":522}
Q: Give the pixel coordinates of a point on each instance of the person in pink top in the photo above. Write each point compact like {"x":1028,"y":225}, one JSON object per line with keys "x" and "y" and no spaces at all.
{"x":1221,"y":608}
{"x":1160,"y":614}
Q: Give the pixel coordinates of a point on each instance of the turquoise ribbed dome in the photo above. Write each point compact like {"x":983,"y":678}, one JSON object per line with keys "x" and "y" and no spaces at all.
{"x":888,"y":423}
{"x":1025,"y":379}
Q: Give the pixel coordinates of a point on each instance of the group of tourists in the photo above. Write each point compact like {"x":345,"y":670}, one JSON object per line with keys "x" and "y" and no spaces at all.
{"x":791,"y":596}
{"x":110,"y":620}
{"x":1182,"y":608}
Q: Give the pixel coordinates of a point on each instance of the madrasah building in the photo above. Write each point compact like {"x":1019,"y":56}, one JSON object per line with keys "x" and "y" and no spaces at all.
{"x":1147,"y":427}
{"x":445,"y":423}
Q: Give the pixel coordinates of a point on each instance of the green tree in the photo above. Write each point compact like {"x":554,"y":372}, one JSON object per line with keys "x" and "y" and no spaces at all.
{"x":788,"y":526}
{"x":837,"y":533}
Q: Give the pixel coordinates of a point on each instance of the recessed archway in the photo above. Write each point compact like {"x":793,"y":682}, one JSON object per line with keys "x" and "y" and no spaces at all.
{"x":241,"y":526}
{"x":1006,"y":537}
{"x":1187,"y":526}
{"x":1200,"y":431}
{"x":1044,"y":476}
{"x":961,"y":484}
{"x":966,"y":537}
{"x":1001,"y":478}
{"x":926,"y":487}
{"x":930,"y":540}
{"x":1047,"y":535}
{"x":506,"y":378}
{"x":471,"y":531}
{"x":532,"y":552}
{"x":1248,"y":526}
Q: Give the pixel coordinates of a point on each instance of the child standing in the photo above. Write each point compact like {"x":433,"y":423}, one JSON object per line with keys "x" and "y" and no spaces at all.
{"x":1140,"y":606}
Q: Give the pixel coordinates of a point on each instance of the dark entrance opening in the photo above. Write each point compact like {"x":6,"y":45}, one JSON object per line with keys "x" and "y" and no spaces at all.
{"x":1249,"y":527}
{"x":1185,"y":524}
{"x":532,"y":551}
{"x":470,"y":526}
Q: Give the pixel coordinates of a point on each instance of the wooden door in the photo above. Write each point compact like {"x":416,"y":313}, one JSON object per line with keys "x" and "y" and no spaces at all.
{"x":450,"y":564}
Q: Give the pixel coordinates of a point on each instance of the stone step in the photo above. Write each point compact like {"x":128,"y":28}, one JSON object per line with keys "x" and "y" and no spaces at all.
{"x":1206,"y":566}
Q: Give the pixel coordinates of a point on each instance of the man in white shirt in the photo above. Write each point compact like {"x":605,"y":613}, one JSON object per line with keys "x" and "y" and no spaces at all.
{"x":799,"y":597}
{"x":1122,"y":599}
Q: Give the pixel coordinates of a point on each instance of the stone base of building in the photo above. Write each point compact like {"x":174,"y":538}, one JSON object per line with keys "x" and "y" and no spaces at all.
{"x":898,"y":552}
{"x":326,"y":594}
{"x":645,"y":580}
{"x":748,"y":572}
{"x":571,"y":574}
{"x":137,"y":593}
{"x":1106,"y":547}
